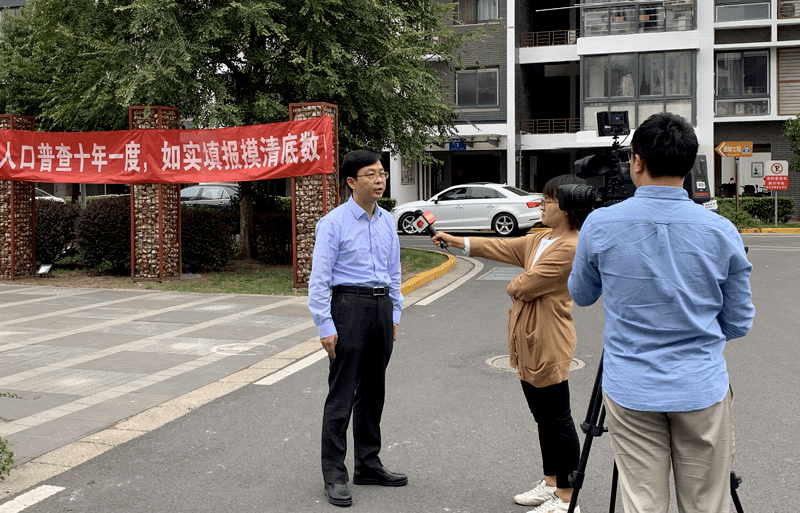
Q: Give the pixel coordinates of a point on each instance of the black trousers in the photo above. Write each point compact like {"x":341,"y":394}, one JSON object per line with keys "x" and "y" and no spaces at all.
{"x":558,"y":439}
{"x":356,"y":382}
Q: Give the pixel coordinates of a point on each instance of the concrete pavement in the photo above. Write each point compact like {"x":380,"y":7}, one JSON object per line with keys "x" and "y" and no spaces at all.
{"x":85,"y":370}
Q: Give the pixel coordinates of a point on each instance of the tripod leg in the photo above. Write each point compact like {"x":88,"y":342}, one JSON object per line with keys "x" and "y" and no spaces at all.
{"x":593,"y":426}
{"x":614,"y":481}
{"x":735,"y":482}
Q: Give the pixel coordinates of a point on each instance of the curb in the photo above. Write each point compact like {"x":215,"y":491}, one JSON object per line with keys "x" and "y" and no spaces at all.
{"x":770,"y":230}
{"x":424,"y":277}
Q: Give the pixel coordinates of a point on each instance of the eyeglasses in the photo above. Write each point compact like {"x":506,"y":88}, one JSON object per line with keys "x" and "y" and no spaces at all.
{"x":372,"y":176}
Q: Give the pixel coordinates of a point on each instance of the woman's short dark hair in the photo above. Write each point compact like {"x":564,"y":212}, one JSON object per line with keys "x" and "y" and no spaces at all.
{"x":354,"y":161}
{"x":550,"y":191}
{"x":667,"y":144}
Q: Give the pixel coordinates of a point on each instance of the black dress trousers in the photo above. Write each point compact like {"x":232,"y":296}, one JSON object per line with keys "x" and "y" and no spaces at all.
{"x":356,"y":382}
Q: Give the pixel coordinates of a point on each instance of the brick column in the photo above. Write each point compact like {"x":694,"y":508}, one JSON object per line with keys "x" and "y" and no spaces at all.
{"x":17,"y":215}
{"x":155,"y":210}
{"x":312,"y":196}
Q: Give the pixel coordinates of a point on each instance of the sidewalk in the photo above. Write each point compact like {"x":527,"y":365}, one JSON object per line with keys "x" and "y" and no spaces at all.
{"x":89,"y":369}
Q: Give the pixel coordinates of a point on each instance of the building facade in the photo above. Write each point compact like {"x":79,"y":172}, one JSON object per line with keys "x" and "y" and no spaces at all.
{"x":528,"y":110}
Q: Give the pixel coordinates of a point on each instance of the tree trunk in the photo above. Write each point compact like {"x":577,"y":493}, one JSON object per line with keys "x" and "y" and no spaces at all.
{"x":247,"y":233}
{"x":76,"y":193}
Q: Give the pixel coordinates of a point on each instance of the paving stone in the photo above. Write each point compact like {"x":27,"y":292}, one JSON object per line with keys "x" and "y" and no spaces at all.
{"x":267,"y":321}
{"x":228,"y":332}
{"x":75,"y":381}
{"x":93,"y":340}
{"x":142,"y":362}
{"x":142,"y":328}
{"x":37,"y":355}
{"x":30,"y":403}
{"x":182,"y":345}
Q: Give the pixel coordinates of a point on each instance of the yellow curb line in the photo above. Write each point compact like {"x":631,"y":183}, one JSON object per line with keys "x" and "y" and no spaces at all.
{"x":770,"y":230}
{"x":426,"y":276}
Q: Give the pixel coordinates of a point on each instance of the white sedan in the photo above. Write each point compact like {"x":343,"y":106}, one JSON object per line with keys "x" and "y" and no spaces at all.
{"x":476,"y":206}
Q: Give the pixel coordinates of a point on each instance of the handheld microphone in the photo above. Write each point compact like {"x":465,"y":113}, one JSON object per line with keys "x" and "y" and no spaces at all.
{"x":424,"y":223}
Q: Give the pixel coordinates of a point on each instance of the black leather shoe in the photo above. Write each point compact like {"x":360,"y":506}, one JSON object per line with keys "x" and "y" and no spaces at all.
{"x":381,"y":477}
{"x":338,"y":494}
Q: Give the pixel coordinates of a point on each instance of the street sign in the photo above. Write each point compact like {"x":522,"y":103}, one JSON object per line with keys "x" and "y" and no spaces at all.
{"x":735,"y":149}
{"x":776,"y":177}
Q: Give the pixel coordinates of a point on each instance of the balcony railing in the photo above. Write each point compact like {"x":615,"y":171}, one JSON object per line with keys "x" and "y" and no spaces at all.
{"x":789,"y":9}
{"x":549,"y":38}
{"x":550,"y":126}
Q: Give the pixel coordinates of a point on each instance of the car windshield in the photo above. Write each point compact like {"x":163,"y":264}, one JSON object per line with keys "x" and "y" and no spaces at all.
{"x":189,"y":192}
{"x":517,"y":191}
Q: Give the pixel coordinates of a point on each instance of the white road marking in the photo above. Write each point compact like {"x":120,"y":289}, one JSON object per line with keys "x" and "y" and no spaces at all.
{"x":27,"y":500}
{"x":291,"y":369}
{"x":475,"y":270}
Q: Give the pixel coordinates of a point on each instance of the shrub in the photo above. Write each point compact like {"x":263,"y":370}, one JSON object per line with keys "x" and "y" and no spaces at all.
{"x":763,"y":208}
{"x":205,"y":239}
{"x":740,"y":219}
{"x":387,"y":203}
{"x":103,"y":233}
{"x":55,"y":229}
{"x":274,"y":238}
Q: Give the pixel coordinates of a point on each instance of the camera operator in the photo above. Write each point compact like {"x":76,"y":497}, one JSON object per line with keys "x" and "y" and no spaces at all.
{"x":675,"y":280}
{"x":541,"y":336}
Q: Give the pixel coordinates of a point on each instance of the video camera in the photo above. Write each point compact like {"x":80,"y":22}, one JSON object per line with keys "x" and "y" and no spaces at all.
{"x":615,"y":169}
{"x":617,"y":172}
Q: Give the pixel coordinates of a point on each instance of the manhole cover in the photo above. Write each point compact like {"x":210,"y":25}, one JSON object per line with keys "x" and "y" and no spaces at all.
{"x":501,"y":362}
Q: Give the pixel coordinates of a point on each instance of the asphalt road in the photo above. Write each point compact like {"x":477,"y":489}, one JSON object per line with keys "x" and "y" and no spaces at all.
{"x":455,"y":424}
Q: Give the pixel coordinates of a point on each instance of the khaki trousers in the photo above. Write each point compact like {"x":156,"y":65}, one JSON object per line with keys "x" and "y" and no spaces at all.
{"x":698,"y":445}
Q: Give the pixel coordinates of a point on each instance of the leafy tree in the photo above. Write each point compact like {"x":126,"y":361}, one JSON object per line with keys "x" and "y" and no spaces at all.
{"x":78,"y":65}
{"x":791,"y":130}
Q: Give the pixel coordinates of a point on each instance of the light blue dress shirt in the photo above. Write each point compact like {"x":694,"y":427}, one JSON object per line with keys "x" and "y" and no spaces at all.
{"x":675,"y":284}
{"x":352,"y":249}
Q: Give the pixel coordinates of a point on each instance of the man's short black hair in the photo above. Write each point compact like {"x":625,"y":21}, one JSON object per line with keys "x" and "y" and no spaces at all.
{"x":667,"y":144}
{"x":550,"y":191}
{"x":354,"y":161}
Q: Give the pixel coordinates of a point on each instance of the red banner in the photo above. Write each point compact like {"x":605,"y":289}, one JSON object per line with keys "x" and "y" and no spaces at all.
{"x":247,"y":153}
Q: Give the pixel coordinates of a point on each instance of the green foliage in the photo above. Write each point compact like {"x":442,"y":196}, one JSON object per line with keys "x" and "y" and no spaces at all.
{"x":387,"y":203}
{"x":205,"y":239}
{"x":103,"y":233}
{"x":740,"y":219}
{"x":78,"y":65}
{"x":6,"y":458}
{"x":791,"y":130}
{"x":274,"y":238}
{"x":55,"y":229}
{"x":762,"y":209}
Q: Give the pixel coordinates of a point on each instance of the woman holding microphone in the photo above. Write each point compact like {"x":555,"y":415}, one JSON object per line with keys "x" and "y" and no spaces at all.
{"x":541,"y":336}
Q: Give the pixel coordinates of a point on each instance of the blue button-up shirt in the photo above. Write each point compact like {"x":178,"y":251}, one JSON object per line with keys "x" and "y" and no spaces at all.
{"x":675,"y":281}
{"x":352,"y":249}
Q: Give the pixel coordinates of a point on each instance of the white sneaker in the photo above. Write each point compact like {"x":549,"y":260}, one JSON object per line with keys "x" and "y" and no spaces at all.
{"x":539,"y":494}
{"x":554,"y":505}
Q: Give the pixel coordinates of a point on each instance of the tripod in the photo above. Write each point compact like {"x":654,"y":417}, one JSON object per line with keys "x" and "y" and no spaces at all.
{"x":593,"y":427}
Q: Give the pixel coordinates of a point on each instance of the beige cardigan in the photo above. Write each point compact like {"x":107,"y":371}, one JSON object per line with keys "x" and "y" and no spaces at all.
{"x":541,"y":336}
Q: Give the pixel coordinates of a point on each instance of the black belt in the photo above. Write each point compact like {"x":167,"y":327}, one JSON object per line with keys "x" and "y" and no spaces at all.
{"x":363,"y":291}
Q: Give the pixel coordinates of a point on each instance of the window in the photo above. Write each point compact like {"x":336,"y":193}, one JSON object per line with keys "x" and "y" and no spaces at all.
{"x":742,"y":10}
{"x":477,"y":88}
{"x":669,"y":15}
{"x":477,"y":11}
{"x":742,"y":83}
{"x":483,"y":193}
{"x":641,"y":84}
{"x":454,"y":194}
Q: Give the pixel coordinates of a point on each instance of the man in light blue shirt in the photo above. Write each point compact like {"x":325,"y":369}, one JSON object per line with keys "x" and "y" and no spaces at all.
{"x":675,"y":281}
{"x":357,"y":257}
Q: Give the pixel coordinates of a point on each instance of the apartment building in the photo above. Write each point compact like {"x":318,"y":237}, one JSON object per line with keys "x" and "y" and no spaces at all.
{"x":528,"y":110}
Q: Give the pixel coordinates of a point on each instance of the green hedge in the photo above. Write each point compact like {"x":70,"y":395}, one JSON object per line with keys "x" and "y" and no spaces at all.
{"x":103,"y":233}
{"x":205,"y":239}
{"x":55,"y":230}
{"x":759,"y":208}
{"x":387,"y":203}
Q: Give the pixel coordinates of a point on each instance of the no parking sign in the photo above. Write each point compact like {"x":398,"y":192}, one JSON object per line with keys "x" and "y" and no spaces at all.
{"x":776,"y":177}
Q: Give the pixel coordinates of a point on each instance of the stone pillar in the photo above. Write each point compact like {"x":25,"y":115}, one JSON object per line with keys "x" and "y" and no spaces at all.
{"x":17,"y":215}
{"x":312,"y":196}
{"x":155,"y":210}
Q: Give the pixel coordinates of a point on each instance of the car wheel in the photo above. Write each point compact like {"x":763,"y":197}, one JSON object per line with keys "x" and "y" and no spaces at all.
{"x":406,"y":224}
{"x":504,"y":225}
